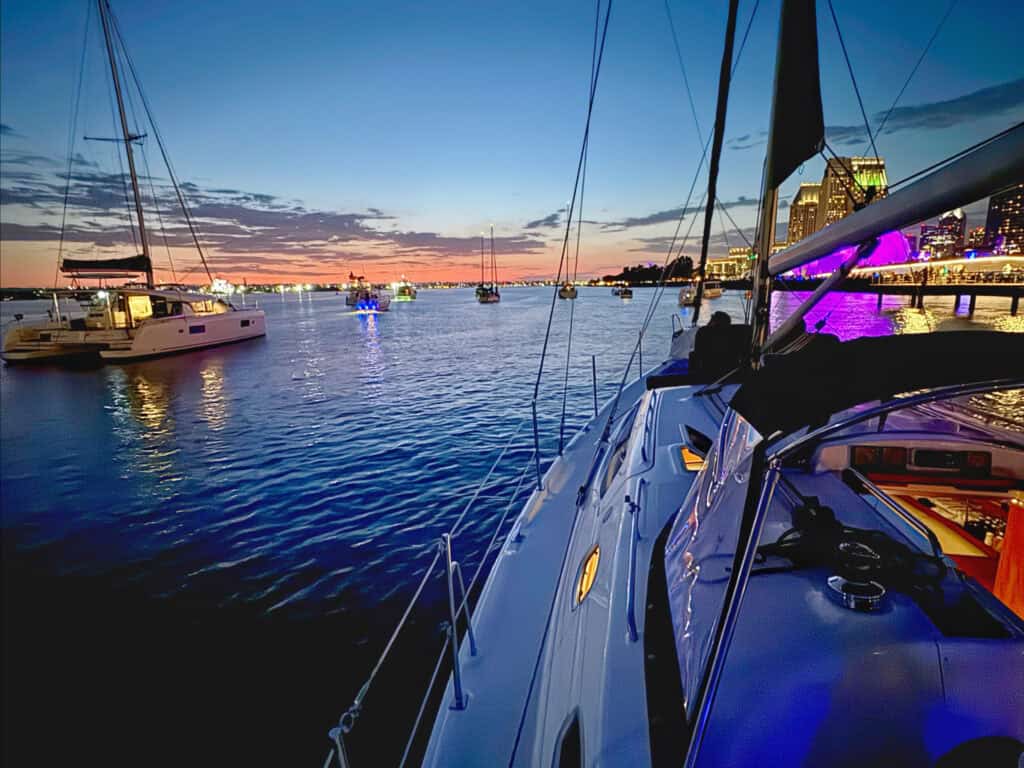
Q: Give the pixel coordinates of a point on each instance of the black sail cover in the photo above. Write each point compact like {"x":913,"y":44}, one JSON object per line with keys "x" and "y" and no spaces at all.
{"x":138,"y":263}
{"x":798,"y":124}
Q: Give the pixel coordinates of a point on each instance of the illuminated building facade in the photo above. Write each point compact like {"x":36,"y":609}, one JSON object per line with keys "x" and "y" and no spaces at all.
{"x":944,"y":240}
{"x":803,"y":213}
{"x":976,"y":238}
{"x":848,"y":184}
{"x":735,"y":265}
{"x":1004,"y":225}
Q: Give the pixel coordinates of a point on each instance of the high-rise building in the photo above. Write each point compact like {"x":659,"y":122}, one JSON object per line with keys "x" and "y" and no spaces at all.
{"x":848,"y":184}
{"x":976,"y":238}
{"x":944,"y":240}
{"x":1004,"y":225}
{"x":803,"y":213}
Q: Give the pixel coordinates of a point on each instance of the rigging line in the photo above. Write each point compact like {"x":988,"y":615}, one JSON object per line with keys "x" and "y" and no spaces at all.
{"x":656,"y":298}
{"x":462,"y":606}
{"x":723,"y":209}
{"x":853,"y":79}
{"x":659,"y":292}
{"x":357,"y":702}
{"x":721,"y":109}
{"x":666,"y":273}
{"x":579,"y":235}
{"x":77,"y":100}
{"x":159,"y":216}
{"x":682,"y":68}
{"x":961,"y":153}
{"x":721,"y":223}
{"x":572,"y":203}
{"x":931,"y":40}
{"x":845,"y":177}
{"x":189,"y":220}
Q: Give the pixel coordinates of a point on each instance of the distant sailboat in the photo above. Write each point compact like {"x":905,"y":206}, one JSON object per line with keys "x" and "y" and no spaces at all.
{"x":488,"y":293}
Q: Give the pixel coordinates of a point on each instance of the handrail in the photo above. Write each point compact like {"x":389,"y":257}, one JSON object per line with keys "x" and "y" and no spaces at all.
{"x":648,"y":419}
{"x":634,"y":508}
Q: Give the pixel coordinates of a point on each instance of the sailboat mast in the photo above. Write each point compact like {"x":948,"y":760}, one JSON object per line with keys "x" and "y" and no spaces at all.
{"x":481,"y":258}
{"x":494,"y":264}
{"x":796,"y":132}
{"x":104,"y":10}
{"x":716,"y":147}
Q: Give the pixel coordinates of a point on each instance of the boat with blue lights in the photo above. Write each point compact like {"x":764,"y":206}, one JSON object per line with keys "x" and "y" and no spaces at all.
{"x":774,"y":548}
{"x":364,"y":298}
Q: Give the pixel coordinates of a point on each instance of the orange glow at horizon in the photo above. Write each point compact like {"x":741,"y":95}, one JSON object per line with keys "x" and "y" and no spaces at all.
{"x":34,"y":265}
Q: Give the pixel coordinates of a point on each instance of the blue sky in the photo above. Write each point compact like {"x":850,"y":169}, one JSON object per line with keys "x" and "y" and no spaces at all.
{"x":409,"y":127}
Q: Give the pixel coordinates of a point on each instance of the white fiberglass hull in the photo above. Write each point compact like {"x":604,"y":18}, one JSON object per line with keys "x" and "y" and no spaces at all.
{"x":39,"y":342}
{"x":172,"y":335}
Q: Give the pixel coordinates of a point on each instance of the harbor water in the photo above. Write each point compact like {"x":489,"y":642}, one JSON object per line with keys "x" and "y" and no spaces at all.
{"x":204,"y":554}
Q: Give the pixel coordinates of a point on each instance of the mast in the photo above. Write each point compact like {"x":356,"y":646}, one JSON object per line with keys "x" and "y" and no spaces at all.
{"x":494,"y":263}
{"x":796,"y":132}
{"x":716,"y":146}
{"x":128,"y":138}
{"x":481,"y":259}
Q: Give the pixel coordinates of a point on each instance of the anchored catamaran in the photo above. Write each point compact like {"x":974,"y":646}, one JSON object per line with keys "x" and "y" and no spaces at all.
{"x":132,"y":322}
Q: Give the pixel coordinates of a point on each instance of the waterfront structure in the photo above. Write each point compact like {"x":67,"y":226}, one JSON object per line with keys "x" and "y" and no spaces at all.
{"x":975,"y":238}
{"x":1004,"y":225}
{"x":735,"y":265}
{"x":803,"y":213}
{"x":944,"y":240}
{"x":849,"y":183}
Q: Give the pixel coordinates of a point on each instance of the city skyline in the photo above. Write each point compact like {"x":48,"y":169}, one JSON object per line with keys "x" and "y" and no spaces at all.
{"x":390,"y":140}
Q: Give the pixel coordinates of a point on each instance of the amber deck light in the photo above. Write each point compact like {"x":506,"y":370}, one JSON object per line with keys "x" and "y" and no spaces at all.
{"x":587,"y":574}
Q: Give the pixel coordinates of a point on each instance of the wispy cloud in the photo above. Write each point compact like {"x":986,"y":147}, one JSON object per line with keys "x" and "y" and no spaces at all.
{"x":6,"y":130}
{"x":673,"y":214}
{"x":242,"y":229}
{"x":747,"y":140}
{"x":996,"y":100}
{"x":550,"y":221}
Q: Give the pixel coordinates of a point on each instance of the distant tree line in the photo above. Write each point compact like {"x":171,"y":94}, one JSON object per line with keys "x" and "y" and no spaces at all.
{"x":681,"y":267}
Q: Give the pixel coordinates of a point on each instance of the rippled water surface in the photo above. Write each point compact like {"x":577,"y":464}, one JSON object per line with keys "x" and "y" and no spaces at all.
{"x":204,"y":554}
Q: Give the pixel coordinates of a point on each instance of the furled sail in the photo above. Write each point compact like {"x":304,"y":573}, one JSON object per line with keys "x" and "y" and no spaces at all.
{"x":138,"y":263}
{"x":798,"y":123}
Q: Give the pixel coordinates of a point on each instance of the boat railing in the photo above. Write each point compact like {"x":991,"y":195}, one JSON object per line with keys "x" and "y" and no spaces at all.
{"x":458,"y":606}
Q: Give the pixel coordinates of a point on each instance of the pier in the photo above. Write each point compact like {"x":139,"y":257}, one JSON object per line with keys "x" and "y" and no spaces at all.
{"x":958,"y":288}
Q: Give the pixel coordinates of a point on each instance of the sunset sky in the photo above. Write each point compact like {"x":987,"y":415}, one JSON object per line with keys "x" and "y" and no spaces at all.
{"x":317,"y":138}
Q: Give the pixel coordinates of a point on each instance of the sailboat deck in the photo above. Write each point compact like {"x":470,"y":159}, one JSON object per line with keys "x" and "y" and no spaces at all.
{"x":528,"y":632}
